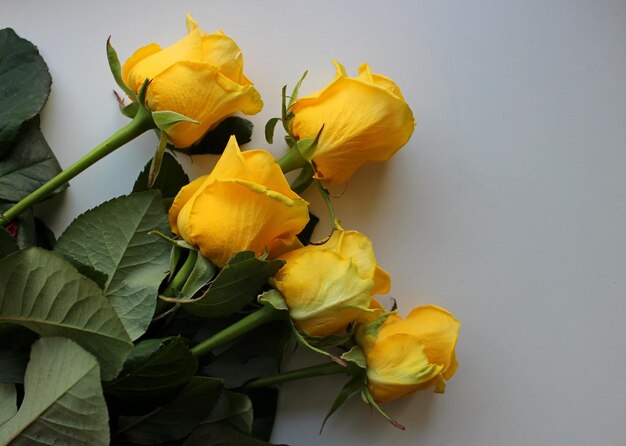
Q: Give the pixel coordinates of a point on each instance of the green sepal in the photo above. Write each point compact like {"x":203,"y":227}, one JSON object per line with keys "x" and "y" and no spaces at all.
{"x":116,"y":69}
{"x":329,"y":204}
{"x":141,"y":96}
{"x":367,"y":396}
{"x":330,"y":340}
{"x":294,"y":94}
{"x":157,"y":159}
{"x":270,"y":127}
{"x":170,"y":179}
{"x":175,"y":242}
{"x":130,"y":110}
{"x":356,"y":384}
{"x":284,"y":113}
{"x":302,"y":340}
{"x":273,"y":299}
{"x":167,"y":119}
{"x":355,"y":356}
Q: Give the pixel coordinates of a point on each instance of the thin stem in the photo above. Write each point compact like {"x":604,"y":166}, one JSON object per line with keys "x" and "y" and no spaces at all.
{"x":292,"y":160}
{"x":141,"y":123}
{"x":331,"y":368}
{"x":239,"y":328}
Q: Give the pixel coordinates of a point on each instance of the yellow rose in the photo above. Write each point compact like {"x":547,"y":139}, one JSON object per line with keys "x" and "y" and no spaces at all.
{"x":407,"y":355}
{"x":328,"y":286}
{"x":245,"y":204}
{"x":365,"y":119}
{"x":200,"y":76}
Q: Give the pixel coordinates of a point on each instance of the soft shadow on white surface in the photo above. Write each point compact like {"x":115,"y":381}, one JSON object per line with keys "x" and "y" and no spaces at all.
{"x":507,"y":206}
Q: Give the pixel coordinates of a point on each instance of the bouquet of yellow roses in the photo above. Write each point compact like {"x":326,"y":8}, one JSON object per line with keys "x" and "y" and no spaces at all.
{"x":160,"y":317}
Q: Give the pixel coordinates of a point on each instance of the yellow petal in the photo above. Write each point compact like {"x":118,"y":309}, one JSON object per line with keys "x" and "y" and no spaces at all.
{"x":366,"y":75}
{"x":382,"y":281}
{"x":260,"y":219}
{"x":133,"y":60}
{"x":183,"y":196}
{"x":323,"y":290}
{"x":398,"y":366}
{"x":189,"y":48}
{"x":198,"y":91}
{"x":220,"y":50}
{"x":191,"y":23}
{"x":434,"y":327}
{"x":362,"y":122}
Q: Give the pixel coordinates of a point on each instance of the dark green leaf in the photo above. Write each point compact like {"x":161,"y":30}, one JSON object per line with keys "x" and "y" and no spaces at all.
{"x":254,"y":355}
{"x":233,"y":409}
{"x":114,"y":239}
{"x":8,"y":402}
{"x":170,"y":179}
{"x":176,"y":419}
{"x":154,"y":373}
{"x":237,"y":285}
{"x":44,"y":235}
{"x":8,"y":244}
{"x":42,"y":292}
{"x":63,"y":402}
{"x":24,"y":85}
{"x":214,"y":142}
{"x":23,"y":226}
{"x":116,"y":70}
{"x":307,"y":232}
{"x":15,"y":343}
{"x":217,"y":435}
{"x":356,"y":384}
{"x":28,"y":165}
{"x":270,"y":127}
{"x":264,"y":404}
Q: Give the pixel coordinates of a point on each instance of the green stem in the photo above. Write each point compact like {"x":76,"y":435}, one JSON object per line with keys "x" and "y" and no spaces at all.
{"x":241,"y":327}
{"x":331,"y":368}
{"x":292,"y":160}
{"x":141,"y":123}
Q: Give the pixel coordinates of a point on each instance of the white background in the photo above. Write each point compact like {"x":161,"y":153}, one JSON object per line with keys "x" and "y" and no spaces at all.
{"x":508,"y":205}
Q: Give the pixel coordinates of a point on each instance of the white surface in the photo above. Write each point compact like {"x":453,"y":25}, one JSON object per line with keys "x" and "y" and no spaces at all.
{"x":508,"y":206}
